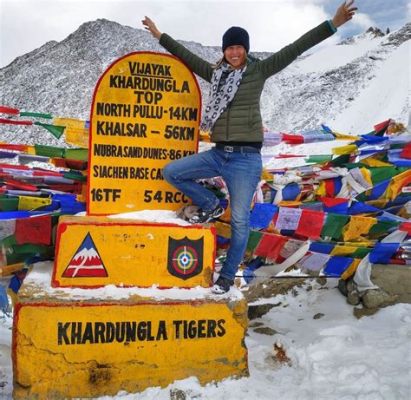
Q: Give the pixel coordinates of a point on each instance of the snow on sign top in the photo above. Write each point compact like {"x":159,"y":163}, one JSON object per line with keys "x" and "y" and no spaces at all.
{"x":145,"y":113}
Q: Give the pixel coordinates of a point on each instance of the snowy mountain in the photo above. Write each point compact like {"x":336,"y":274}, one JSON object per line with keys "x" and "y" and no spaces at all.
{"x":350,"y":86}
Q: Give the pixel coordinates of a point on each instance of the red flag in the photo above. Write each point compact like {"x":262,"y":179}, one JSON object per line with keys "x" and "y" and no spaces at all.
{"x":310,"y":224}
{"x":34,"y":230}
{"x":9,"y":110}
{"x":14,"y":184}
{"x":382,"y":126}
{"x":333,"y":201}
{"x":289,"y":155}
{"x":406,"y":151}
{"x":14,"y":122}
{"x":278,"y":243}
{"x":405,"y":227}
{"x":18,"y":147}
{"x":270,"y":246}
{"x":292,"y":139}
{"x":329,"y":187}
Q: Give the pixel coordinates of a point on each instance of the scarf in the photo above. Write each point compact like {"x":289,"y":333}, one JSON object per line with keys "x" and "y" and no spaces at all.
{"x":222,"y":93}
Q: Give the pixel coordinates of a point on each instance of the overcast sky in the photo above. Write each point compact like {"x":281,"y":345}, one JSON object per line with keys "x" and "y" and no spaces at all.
{"x":27,"y":24}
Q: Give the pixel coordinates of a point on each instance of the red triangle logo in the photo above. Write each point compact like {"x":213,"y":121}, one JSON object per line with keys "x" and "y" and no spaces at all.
{"x":86,"y":263}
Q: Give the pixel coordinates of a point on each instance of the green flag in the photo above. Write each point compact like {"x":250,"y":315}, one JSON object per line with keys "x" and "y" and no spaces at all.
{"x":381,"y":228}
{"x":340,"y":160}
{"x":35,"y":115}
{"x":318,"y":159}
{"x":333,"y":226}
{"x":9,"y":203}
{"x":253,"y":240}
{"x":55,"y":130}
{"x":48,"y":151}
{"x":76,"y":154}
{"x":379,"y":174}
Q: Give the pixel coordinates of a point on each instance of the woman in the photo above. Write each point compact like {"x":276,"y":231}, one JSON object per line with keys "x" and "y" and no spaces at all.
{"x":233,"y":118}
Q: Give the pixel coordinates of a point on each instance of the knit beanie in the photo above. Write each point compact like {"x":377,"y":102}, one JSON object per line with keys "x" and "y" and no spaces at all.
{"x":236,"y":36}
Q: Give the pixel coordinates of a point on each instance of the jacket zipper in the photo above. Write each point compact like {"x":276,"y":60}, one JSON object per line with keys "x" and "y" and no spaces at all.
{"x":226,"y":124}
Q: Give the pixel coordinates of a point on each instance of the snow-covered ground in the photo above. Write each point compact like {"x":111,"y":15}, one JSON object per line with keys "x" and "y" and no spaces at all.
{"x":389,"y":94}
{"x":332,"y":354}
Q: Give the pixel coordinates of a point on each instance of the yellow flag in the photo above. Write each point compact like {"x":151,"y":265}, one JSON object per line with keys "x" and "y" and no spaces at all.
{"x":350,"y":148}
{"x":76,"y":132}
{"x":351,"y":269}
{"x":397,"y":183}
{"x":341,"y":250}
{"x":374,"y":162}
{"x":357,"y":227}
{"x":32,"y":203}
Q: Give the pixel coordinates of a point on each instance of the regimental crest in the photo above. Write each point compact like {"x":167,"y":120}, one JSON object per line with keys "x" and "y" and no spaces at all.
{"x":185,"y":257}
{"x":86,"y":263}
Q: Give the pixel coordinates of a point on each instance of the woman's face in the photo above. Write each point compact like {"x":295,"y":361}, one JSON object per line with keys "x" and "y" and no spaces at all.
{"x":235,"y":55}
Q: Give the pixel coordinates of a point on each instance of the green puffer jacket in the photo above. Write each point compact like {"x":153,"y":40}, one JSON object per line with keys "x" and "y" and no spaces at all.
{"x":241,"y":121}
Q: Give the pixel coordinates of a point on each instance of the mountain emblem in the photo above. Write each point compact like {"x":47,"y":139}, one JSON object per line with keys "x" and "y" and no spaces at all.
{"x":86,"y":263}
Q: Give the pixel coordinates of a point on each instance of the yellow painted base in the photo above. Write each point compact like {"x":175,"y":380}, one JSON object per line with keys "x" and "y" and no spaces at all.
{"x":98,"y":251}
{"x":92,"y":347}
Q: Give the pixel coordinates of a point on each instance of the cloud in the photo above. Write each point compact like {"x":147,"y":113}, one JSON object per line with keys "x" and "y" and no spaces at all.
{"x":363,"y":21}
{"x":28,"y":24}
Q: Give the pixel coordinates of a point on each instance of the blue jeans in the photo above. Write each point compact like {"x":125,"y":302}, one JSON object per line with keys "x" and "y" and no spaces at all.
{"x":241,"y":172}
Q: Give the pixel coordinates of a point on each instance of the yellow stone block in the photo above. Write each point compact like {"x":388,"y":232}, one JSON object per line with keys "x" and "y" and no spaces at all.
{"x":98,"y":251}
{"x":70,"y":343}
{"x":145,"y":113}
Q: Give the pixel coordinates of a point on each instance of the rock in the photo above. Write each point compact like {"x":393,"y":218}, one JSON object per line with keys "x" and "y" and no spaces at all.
{"x":318,"y":315}
{"x":353,"y":298}
{"x":360,"y":312}
{"x":255,"y":312}
{"x":342,"y":287}
{"x":255,"y":324}
{"x":351,"y":285}
{"x":271,"y":288}
{"x":177,"y":394}
{"x":321,"y":281}
{"x":265,"y":331}
{"x":377,"y":298}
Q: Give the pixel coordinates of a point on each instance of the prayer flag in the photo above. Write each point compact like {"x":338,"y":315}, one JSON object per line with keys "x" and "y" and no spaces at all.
{"x":291,"y":191}
{"x":357,"y":227}
{"x":270,"y":246}
{"x":56,"y":131}
{"x":310,"y":224}
{"x":253,"y":240}
{"x":9,"y":110}
{"x":7,"y":228}
{"x":313,"y":261}
{"x":333,"y":226}
{"x":34,"y":230}
{"x":14,"y":122}
{"x":288,"y":218}
{"x":382,"y":252}
{"x":261,"y":215}
{"x":338,"y":205}
{"x":35,"y":115}
{"x":337,"y":265}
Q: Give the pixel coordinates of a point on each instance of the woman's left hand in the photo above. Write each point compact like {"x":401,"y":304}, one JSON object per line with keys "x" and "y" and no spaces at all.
{"x":344,"y":13}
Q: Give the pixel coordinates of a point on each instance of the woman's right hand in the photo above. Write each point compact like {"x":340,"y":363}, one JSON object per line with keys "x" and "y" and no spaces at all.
{"x":151,"y":27}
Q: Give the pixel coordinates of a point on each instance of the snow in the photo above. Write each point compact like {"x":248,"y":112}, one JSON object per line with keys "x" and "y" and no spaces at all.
{"x":40,"y":277}
{"x":336,"y":56}
{"x":333,"y":357}
{"x":379,"y":100}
